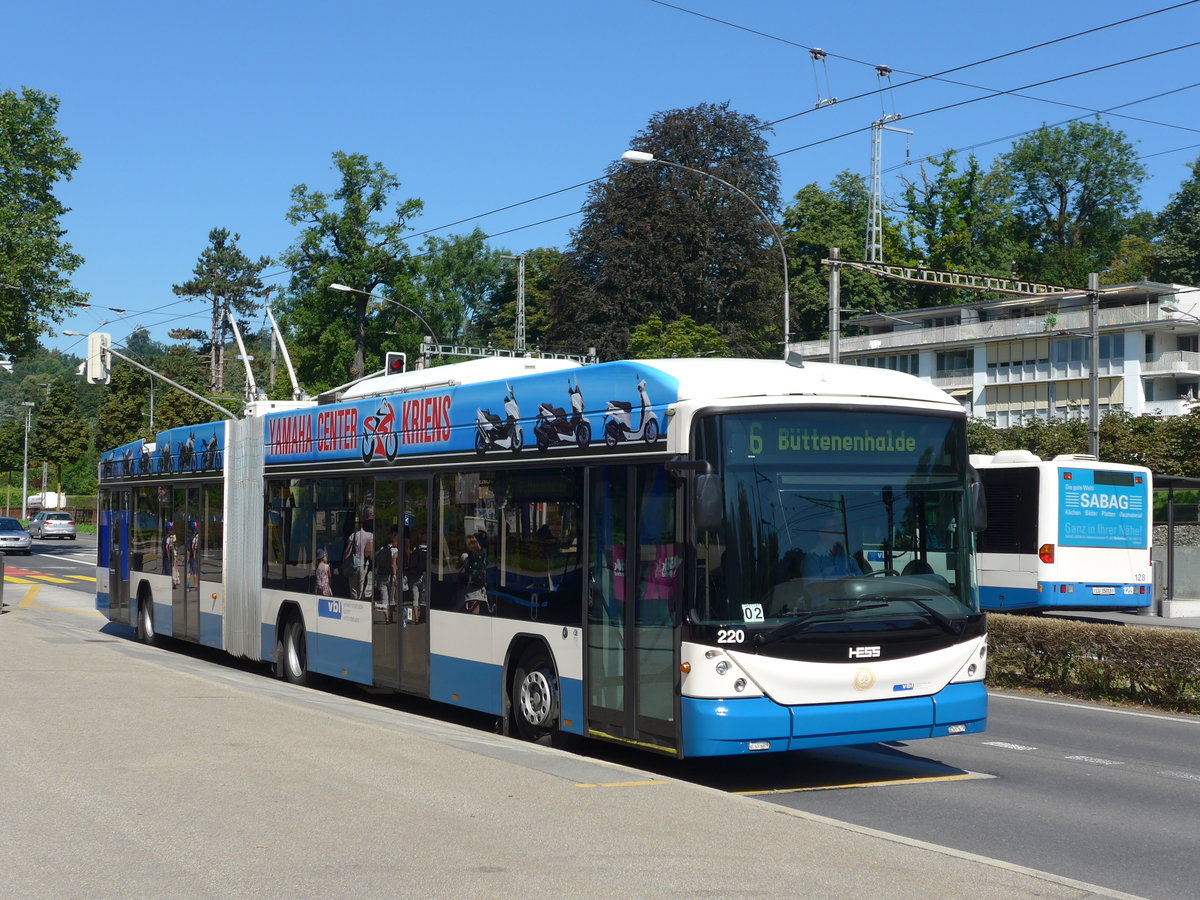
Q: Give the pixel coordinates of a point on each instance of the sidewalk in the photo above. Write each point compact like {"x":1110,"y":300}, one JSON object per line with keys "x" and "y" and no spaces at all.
{"x":1145,"y":620}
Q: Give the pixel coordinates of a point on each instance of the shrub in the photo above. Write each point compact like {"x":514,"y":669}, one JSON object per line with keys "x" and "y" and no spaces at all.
{"x":1157,"y":667}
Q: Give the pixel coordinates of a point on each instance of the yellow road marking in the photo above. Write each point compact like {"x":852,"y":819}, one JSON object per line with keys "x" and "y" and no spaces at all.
{"x":14,"y":579}
{"x":31,"y":595}
{"x":609,"y":784}
{"x":863,"y":784}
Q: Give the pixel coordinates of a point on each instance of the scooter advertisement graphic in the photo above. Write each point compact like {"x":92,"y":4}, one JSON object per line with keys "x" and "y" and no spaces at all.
{"x":493,"y":432}
{"x":618,"y":420}
{"x":554,"y":427}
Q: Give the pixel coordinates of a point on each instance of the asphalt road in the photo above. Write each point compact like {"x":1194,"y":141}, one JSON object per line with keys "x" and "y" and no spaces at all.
{"x":1094,"y":795}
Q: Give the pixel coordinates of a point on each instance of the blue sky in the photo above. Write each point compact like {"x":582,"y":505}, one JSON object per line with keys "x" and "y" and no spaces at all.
{"x":205,"y":115}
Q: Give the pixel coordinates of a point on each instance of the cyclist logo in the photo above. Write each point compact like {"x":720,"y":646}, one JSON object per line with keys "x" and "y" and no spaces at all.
{"x":379,"y":437}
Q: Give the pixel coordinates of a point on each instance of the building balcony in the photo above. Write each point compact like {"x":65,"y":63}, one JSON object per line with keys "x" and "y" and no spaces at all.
{"x":954,"y":378}
{"x":1173,"y":362}
{"x":1074,"y":322}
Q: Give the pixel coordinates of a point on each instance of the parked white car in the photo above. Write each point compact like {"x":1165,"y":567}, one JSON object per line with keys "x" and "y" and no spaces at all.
{"x":48,"y":524}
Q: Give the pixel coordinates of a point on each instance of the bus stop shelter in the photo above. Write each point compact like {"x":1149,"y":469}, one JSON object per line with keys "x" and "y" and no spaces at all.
{"x":1170,"y":483}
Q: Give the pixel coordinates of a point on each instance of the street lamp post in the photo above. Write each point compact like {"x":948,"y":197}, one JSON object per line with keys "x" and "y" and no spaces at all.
{"x":25,"y":464}
{"x":641,"y":157}
{"x":347,"y":289}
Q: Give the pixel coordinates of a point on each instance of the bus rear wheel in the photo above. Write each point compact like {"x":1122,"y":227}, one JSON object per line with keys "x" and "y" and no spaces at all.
{"x":535,"y":696}
{"x":295,"y":652}
{"x":145,"y":622}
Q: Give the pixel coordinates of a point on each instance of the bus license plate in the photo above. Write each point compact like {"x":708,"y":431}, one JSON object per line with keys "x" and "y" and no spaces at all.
{"x":1104,"y":590}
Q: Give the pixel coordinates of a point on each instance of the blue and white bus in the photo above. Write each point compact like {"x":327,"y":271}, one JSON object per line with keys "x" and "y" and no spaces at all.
{"x":1068,"y":533}
{"x":698,"y":557}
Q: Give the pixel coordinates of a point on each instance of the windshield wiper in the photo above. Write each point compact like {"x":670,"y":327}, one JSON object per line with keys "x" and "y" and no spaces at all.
{"x":954,"y":625}
{"x":802,"y":621}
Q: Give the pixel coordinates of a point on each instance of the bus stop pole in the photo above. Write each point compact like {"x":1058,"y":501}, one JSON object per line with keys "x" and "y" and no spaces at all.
{"x":1170,"y":543}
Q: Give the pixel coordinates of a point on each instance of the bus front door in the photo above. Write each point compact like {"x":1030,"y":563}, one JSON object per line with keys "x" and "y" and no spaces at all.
{"x":633,"y":606}
{"x":185,"y":575}
{"x":400,"y":608}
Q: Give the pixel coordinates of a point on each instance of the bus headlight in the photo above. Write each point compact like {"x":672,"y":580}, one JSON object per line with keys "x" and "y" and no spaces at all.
{"x":739,"y":685}
{"x":723,"y":667}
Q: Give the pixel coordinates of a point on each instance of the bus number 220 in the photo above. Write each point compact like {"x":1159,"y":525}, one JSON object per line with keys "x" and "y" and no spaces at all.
{"x":730,"y":635}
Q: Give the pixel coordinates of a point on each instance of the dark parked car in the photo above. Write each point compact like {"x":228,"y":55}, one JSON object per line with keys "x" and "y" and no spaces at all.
{"x":14,"y":538}
{"x":48,"y":524}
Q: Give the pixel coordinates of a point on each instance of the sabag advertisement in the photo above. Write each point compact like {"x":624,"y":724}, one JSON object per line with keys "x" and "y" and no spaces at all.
{"x":1102,"y":509}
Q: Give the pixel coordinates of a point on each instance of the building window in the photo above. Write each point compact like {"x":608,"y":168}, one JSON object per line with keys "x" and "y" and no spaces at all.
{"x":955,"y":360}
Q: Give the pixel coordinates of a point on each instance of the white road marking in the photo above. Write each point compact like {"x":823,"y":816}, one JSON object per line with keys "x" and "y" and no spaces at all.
{"x":1164,"y":717}
{"x":1004,"y":745}
{"x":1095,"y":760}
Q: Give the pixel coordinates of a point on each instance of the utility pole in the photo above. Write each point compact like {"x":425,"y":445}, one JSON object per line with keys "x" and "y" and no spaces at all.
{"x":835,"y":300}
{"x":1094,"y":365}
{"x":519,"y":344}
{"x":874,"y":243}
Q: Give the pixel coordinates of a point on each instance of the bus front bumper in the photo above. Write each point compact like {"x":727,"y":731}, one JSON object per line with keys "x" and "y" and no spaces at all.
{"x":731,"y":727}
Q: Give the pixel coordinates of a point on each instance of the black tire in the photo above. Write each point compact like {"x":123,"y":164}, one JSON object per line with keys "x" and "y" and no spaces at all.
{"x":535,"y":702}
{"x":145,"y":623}
{"x":481,"y":442}
{"x":583,"y":434}
{"x":518,"y":439}
{"x":295,"y":652}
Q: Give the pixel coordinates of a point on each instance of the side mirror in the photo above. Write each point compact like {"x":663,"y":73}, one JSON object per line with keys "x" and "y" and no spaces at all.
{"x":709,"y":509}
{"x":978,"y":498}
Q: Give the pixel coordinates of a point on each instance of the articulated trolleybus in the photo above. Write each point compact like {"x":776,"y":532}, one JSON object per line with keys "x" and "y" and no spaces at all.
{"x":1068,"y":533}
{"x":698,"y":557}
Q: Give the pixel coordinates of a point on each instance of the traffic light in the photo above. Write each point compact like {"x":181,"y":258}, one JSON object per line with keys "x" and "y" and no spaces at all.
{"x":395,"y":363}
{"x":97,"y":358}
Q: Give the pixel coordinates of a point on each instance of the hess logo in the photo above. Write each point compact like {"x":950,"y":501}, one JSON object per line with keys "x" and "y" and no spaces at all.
{"x":864,"y":652}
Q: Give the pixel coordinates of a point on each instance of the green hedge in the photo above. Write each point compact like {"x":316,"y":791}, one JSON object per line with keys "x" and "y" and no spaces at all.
{"x":1158,"y":667}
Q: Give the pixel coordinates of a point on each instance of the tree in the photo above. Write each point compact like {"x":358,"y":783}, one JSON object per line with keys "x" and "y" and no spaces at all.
{"x":35,"y":261}
{"x":454,"y":279}
{"x":1178,"y":259}
{"x":961,"y":221}
{"x":59,"y":439}
{"x":12,"y":452}
{"x":820,"y":218}
{"x":659,"y":240}
{"x":229,"y":280}
{"x":496,"y":319}
{"x":345,"y":238}
{"x":683,"y":338}
{"x":1076,"y":190}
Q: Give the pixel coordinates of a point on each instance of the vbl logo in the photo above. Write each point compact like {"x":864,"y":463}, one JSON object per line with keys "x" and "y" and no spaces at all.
{"x":329,"y":608}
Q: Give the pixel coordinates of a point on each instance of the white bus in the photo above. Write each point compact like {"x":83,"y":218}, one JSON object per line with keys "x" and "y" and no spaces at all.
{"x":1068,"y":533}
{"x":698,"y":557}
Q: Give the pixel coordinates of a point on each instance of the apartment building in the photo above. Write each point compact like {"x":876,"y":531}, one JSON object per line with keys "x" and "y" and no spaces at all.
{"x":1006,"y":360}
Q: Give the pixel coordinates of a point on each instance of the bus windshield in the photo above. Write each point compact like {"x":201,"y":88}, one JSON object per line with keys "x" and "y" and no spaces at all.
{"x":860,"y":514}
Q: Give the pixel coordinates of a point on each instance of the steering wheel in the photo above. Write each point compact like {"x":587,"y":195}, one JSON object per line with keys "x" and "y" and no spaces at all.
{"x":888,"y":571}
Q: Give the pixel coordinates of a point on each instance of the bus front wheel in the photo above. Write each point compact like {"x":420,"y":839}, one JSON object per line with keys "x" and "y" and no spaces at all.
{"x":295,"y":652}
{"x":535,"y":696}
